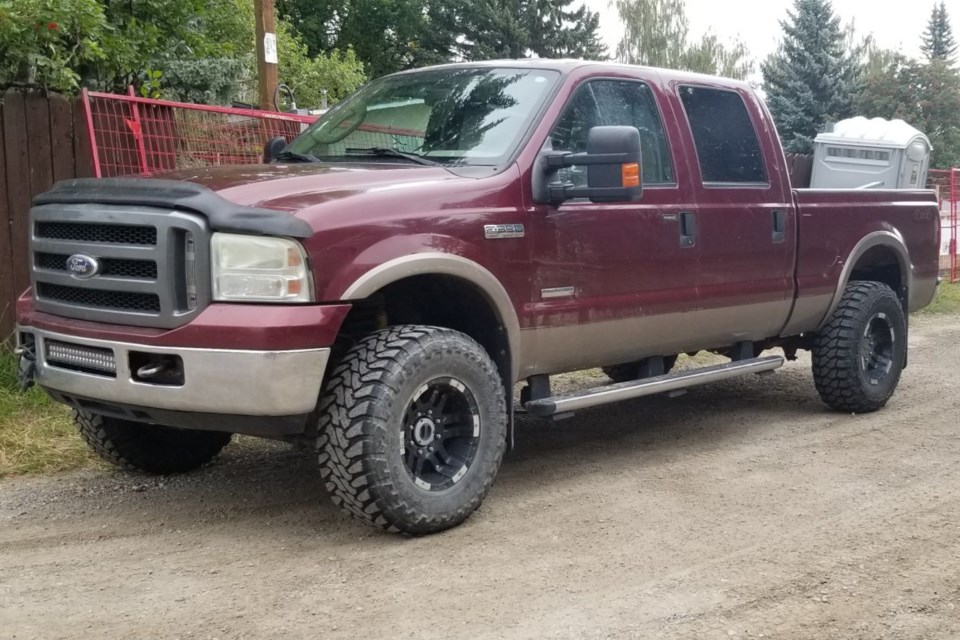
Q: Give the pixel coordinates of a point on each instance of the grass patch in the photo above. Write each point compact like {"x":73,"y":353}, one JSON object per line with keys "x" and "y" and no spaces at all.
{"x":36,"y":434}
{"x":946,"y":302}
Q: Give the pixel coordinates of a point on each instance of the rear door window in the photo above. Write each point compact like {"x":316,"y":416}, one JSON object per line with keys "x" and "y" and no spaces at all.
{"x":726,"y":142}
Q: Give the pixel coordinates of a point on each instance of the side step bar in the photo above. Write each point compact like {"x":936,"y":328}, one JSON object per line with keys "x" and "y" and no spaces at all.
{"x":650,"y":386}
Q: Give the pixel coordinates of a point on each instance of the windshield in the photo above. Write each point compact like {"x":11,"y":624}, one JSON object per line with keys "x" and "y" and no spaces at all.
{"x":472,"y":116}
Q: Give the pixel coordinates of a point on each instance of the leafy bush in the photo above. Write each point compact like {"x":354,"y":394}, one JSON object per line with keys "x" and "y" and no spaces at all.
{"x":189,"y":50}
{"x":339,"y":73}
{"x":48,"y":42}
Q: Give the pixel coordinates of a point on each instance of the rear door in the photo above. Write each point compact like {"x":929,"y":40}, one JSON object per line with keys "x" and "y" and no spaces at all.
{"x":746,"y":225}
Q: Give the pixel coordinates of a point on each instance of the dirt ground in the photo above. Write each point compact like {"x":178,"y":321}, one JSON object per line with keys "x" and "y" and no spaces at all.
{"x":743,"y":509}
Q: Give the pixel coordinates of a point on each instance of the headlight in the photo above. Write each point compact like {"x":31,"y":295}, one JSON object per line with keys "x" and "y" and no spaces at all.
{"x":255,"y":269}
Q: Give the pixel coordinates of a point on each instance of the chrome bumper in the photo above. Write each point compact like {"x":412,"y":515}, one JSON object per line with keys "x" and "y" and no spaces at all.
{"x":254,"y":383}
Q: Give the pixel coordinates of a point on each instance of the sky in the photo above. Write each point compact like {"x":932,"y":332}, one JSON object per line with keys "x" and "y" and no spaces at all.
{"x":896,"y":24}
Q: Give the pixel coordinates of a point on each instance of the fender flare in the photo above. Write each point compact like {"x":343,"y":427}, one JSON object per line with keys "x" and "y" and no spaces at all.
{"x":436,"y":263}
{"x":888,"y":239}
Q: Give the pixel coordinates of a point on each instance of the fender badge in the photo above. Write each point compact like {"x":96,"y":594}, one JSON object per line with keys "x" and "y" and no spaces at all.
{"x":502,"y":231}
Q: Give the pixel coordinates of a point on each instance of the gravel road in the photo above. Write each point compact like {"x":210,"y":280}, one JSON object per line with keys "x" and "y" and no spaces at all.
{"x":743,"y":509}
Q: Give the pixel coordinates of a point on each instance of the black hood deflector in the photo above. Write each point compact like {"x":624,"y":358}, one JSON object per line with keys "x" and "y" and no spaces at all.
{"x":221,"y":214}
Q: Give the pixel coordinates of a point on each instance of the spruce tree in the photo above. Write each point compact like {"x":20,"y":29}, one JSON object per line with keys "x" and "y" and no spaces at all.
{"x":938,"y":40}
{"x":811,"y":79}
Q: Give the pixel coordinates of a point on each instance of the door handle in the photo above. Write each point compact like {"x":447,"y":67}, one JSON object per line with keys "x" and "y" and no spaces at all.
{"x":779,"y":226}
{"x":688,"y":230}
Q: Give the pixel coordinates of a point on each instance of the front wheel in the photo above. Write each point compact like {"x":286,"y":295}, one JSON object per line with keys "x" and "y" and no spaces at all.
{"x":859,"y":354}
{"x":148,"y":448}
{"x":413,"y":425}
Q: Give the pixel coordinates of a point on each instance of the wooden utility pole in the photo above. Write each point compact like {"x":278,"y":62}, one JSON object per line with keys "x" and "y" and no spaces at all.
{"x":266,"y":52}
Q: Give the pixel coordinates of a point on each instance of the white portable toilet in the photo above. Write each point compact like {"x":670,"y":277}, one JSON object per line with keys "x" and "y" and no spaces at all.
{"x":871,"y":154}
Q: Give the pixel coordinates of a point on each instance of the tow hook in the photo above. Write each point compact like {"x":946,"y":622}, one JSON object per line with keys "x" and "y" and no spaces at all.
{"x":26,"y":367}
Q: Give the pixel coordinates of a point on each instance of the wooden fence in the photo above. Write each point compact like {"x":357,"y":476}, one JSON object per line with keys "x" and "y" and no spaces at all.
{"x":42,"y":139}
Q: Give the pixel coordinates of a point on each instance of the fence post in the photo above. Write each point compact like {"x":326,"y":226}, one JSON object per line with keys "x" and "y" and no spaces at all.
{"x":138,"y":133}
{"x":954,"y":195}
{"x":94,"y":149}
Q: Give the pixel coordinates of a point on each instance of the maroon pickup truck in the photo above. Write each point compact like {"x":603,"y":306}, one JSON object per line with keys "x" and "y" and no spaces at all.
{"x":378,"y":287}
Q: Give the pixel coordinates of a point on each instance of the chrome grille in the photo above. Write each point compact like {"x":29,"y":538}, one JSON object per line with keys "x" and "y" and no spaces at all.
{"x":78,"y":357}
{"x":152,"y":265}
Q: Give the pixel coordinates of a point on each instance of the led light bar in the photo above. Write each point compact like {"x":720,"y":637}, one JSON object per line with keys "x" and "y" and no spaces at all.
{"x":75,"y":356}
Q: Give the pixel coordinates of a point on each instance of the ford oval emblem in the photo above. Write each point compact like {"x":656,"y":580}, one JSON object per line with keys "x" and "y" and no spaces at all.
{"x":83,"y":267}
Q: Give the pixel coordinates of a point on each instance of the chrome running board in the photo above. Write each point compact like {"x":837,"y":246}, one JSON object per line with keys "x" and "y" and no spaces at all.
{"x":569,"y":403}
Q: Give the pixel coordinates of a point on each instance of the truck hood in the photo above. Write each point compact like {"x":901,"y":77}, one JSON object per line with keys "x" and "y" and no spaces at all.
{"x":295,"y":187}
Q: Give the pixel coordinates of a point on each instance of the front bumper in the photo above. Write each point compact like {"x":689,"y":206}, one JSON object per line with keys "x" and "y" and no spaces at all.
{"x":214,"y":381}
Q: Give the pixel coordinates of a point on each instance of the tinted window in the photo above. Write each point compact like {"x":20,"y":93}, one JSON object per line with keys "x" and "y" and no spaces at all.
{"x":726,"y":141}
{"x":614,"y":103}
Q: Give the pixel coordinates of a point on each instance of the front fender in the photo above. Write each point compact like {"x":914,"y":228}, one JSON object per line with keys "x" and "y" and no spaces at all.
{"x":427,"y":261}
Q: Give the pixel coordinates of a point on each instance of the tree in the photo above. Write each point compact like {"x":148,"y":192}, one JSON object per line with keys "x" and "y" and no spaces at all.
{"x":46,"y":43}
{"x":191,"y":50}
{"x":938,"y":40}
{"x":925,"y":95}
{"x":712,"y":57}
{"x":656,"y":33}
{"x":391,"y":35}
{"x":812,"y":78}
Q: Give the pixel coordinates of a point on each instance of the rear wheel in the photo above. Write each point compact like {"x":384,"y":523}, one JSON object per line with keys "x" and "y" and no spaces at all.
{"x":148,"y":448}
{"x":859,"y":354}
{"x":636,"y":370}
{"x":413,"y":425}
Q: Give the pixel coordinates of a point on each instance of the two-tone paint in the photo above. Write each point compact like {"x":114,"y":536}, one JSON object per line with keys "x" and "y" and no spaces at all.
{"x":630,"y":289}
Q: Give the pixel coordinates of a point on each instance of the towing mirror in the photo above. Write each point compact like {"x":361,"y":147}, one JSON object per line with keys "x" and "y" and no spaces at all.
{"x":613,"y":169}
{"x":273,"y":147}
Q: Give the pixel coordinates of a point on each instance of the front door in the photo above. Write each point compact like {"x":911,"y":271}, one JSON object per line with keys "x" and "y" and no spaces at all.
{"x":611,"y":282}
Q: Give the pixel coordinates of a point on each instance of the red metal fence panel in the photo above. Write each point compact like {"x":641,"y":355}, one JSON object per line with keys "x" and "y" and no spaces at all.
{"x":140,"y":136}
{"x":947,"y":184}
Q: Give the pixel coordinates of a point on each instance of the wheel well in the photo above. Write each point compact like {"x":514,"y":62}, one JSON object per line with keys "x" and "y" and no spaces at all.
{"x":435,"y":300}
{"x":880,"y":264}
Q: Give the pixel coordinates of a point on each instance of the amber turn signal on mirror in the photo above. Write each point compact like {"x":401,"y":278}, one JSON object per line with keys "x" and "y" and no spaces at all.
{"x":631,"y":174}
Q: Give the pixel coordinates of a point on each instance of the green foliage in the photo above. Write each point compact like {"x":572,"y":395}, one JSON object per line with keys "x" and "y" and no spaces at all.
{"x":926,"y":95}
{"x":203,"y":80}
{"x":947,"y":301}
{"x":36,"y":434}
{"x":45,"y":42}
{"x":189,"y":50}
{"x":938,"y":40}
{"x":494,"y":29}
{"x":391,"y":35}
{"x":656,"y":33}
{"x":814,"y":75}
{"x":339,"y":73}
{"x":712,"y":57}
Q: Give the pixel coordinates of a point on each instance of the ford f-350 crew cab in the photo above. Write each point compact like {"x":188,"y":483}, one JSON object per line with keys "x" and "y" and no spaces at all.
{"x":381,"y":284}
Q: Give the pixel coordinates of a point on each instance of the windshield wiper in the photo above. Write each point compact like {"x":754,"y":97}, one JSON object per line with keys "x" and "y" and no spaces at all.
{"x":388,"y":152}
{"x":293,"y":156}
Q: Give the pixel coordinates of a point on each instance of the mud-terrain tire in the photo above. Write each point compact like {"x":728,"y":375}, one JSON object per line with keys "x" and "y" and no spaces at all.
{"x":412,"y":428}
{"x":631,"y":370}
{"x":859,"y":354}
{"x":148,"y":448}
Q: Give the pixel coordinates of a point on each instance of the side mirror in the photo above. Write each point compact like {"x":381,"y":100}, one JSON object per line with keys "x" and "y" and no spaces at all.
{"x":613,"y":169}
{"x":273,"y":147}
